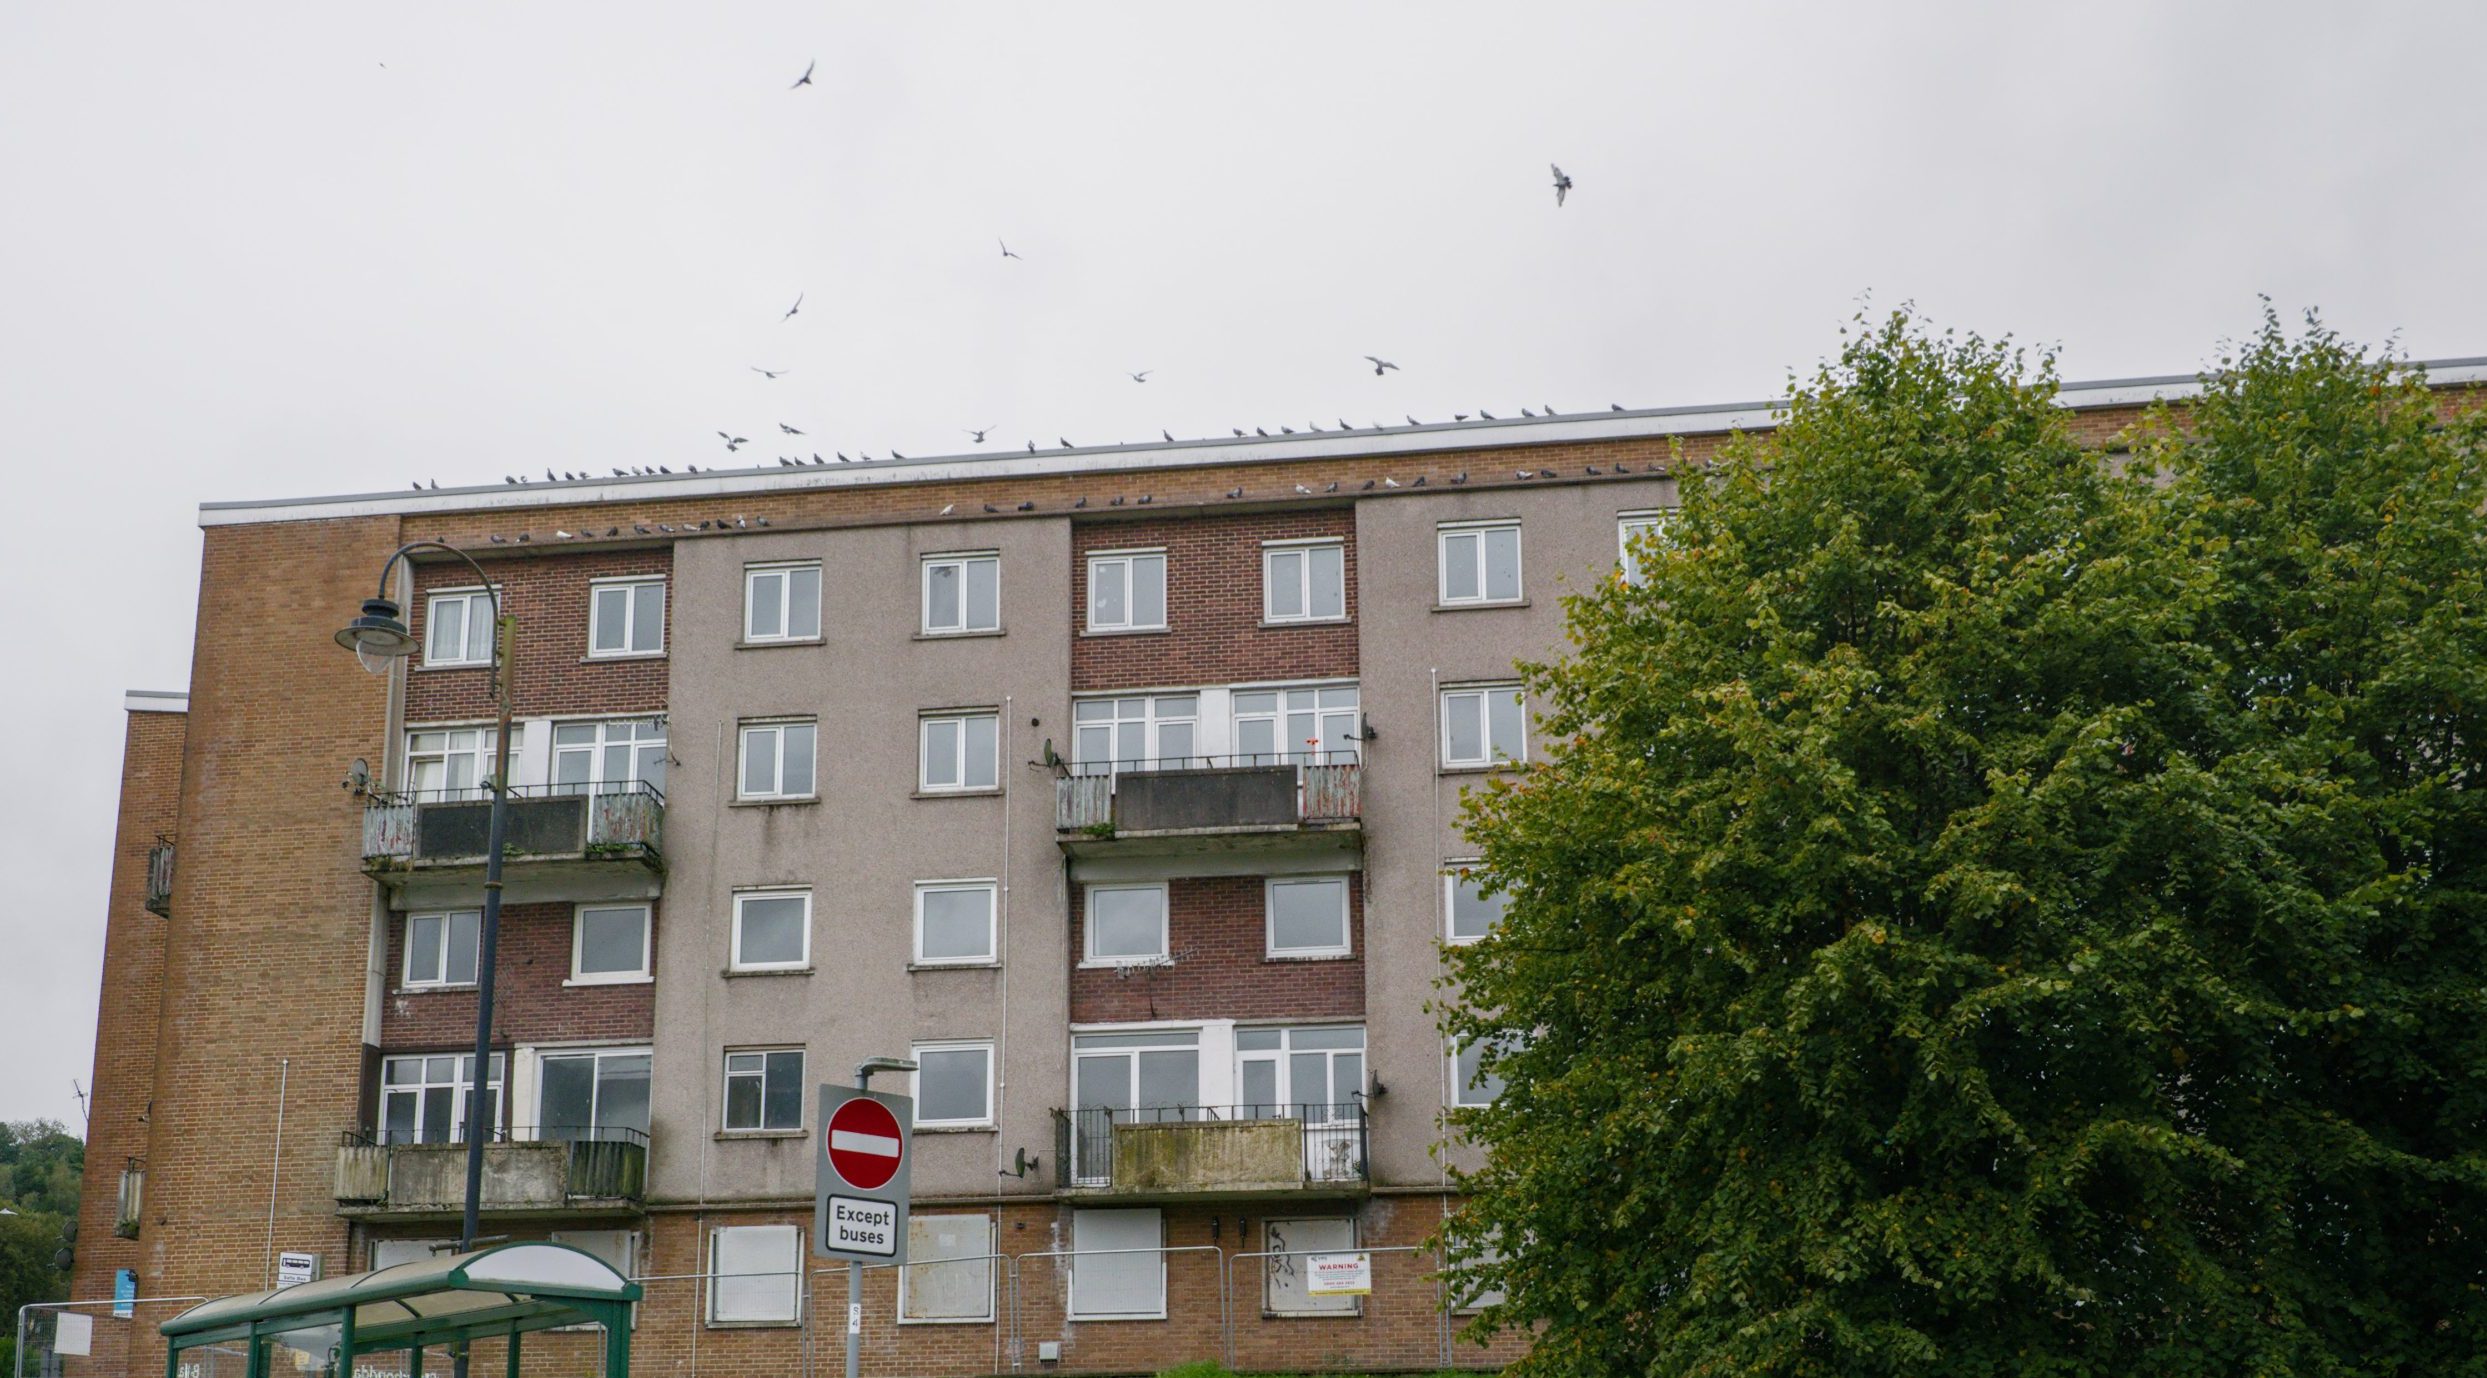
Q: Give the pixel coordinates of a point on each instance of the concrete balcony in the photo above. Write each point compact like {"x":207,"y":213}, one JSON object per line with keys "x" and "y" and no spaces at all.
{"x":1245,"y":806}
{"x":563,"y":843}
{"x":160,"y":877}
{"x":1213,"y":1152}
{"x":605,"y":1175}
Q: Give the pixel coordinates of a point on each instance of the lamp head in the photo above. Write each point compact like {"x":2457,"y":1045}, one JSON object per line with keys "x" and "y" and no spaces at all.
{"x":377,"y":636}
{"x":865,"y":1068}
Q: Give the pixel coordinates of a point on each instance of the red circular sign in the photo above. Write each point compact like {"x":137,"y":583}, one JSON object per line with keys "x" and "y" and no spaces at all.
{"x":865,"y":1147}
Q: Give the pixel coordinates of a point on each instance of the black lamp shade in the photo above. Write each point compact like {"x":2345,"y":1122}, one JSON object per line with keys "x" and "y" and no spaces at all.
{"x":378,"y":632}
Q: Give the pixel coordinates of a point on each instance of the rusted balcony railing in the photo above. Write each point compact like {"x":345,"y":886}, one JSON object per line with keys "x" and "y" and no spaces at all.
{"x":160,"y":876}
{"x":1210,"y":793}
{"x":449,"y":827}
{"x":1213,"y":1150}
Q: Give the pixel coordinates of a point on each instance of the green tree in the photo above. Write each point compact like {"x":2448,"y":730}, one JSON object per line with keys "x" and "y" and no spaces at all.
{"x":1990,"y":911}
{"x":40,"y":1166}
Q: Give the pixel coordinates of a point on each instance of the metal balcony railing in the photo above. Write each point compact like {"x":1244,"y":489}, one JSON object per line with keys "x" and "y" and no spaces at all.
{"x":527,"y":1168}
{"x":133,"y":1198}
{"x":1295,"y":788}
{"x":160,"y":876}
{"x":450,"y":827}
{"x":1177,"y":1150}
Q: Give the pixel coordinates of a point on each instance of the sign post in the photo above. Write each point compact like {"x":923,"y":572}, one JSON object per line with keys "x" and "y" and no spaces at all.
{"x":859,"y":1199}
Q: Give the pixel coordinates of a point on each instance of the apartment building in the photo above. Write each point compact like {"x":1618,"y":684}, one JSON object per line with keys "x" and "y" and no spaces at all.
{"x":1118,"y":788}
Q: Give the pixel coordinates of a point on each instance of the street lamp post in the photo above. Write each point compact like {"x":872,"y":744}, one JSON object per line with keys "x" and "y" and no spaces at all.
{"x":379,"y":638}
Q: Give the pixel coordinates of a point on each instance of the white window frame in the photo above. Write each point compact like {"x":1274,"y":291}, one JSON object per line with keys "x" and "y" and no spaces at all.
{"x":1449,"y":531}
{"x":1151,"y":722}
{"x":792,"y":1279}
{"x":1485,"y":726}
{"x":1629,"y":527}
{"x":1459,"y":1084}
{"x":496,"y":1090}
{"x":1336,"y":729}
{"x":985,"y":1261}
{"x":735,"y":960}
{"x":1271,"y":550}
{"x":634,"y":587}
{"x":481,"y":754}
{"x":991,"y":890}
{"x":915,"y":1082}
{"x":632,"y":735}
{"x":777,"y":773}
{"x":1451,"y":877}
{"x":474,"y":596}
{"x":1125,"y":559}
{"x":784,"y":571}
{"x":646,"y":970}
{"x":1072,"y":1310}
{"x":924,"y":592}
{"x":1088,"y":925}
{"x":1346,"y":945}
{"x":725,"y":1088}
{"x":405,"y":969}
{"x":924,"y":746}
{"x":597,"y":1052}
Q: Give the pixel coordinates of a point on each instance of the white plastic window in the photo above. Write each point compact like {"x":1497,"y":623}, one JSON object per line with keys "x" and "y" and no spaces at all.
{"x":1483,"y":726}
{"x":763,"y":1089}
{"x":953,"y":1085}
{"x":777,"y":761}
{"x":609,"y":943}
{"x":1631,"y":529}
{"x":954,"y":923}
{"x":1119,"y":734}
{"x":1469,"y":913}
{"x":772,"y":930}
{"x":441,"y":948}
{"x":961,"y":753}
{"x":626,"y":617}
{"x":1307,"y":916}
{"x":781,"y":602}
{"x":457,"y":628}
{"x":1304,"y":582}
{"x":1481,"y":563}
{"x":1127,"y":591}
{"x":962,"y":593}
{"x":1126,"y":923}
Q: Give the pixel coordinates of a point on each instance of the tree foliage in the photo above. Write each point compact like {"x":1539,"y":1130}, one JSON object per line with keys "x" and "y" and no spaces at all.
{"x":1994,"y":910}
{"x":40,"y":1163}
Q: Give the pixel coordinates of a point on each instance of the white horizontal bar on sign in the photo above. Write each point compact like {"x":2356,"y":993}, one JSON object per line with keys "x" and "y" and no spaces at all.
{"x":879,"y":1145}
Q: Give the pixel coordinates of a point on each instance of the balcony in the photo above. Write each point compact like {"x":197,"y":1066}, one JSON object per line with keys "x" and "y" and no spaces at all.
{"x":572,"y":1173}
{"x":133,"y":1197}
{"x":564,"y":843}
{"x":1240,"y":804}
{"x":160,"y":877}
{"x":1213,"y":1152}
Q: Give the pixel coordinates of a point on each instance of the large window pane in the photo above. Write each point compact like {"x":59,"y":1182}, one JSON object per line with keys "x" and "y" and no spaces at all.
{"x":1503,"y":724}
{"x":956,"y":924}
{"x":941,"y":596}
{"x":984,"y":595}
{"x":1308,"y":915}
{"x":768,"y":604}
{"x":1126,"y":923}
{"x":953,"y":1085}
{"x":1502,"y":563}
{"x":983,"y":742}
{"x":1459,"y":566}
{"x":1328,"y":578}
{"x":771,"y":930}
{"x":1148,"y":591}
{"x":613,"y":942}
{"x":782,"y":1104}
{"x":797,"y":752}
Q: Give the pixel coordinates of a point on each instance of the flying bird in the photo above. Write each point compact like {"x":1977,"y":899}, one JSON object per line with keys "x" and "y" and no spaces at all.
{"x":1143,"y":375}
{"x":1006,"y":253}
{"x":1379,"y":364}
{"x":798,"y":305}
{"x":732,"y":442}
{"x":978,"y":435}
{"x":771,"y":372}
{"x":1562,"y":184}
{"x":788,"y":429}
{"x":805,"y":79}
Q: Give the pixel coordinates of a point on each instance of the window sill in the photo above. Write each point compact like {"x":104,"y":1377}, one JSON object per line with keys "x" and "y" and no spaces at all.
{"x":792,"y":800}
{"x":1356,"y":1314}
{"x":1103,"y":1320}
{"x":621,"y":655}
{"x":957,"y":1129}
{"x":462,"y":987}
{"x":953,"y":966}
{"x":1131,"y":963}
{"x":995,"y":792}
{"x":946,"y":1320}
{"x":727,"y":1135}
{"x":1126,"y":631}
{"x":594,"y":981}
{"x":755,"y":1325}
{"x":769,"y":643}
{"x":1347,"y":956}
{"x":452,"y":665}
{"x":1498,"y":768}
{"x":1482,"y":606}
{"x":739,"y":973}
{"x":1276,"y":624}
{"x":961,"y":636}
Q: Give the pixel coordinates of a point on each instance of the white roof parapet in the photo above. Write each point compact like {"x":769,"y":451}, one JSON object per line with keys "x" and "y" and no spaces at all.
{"x":1649,"y":423}
{"x":155,"y":701}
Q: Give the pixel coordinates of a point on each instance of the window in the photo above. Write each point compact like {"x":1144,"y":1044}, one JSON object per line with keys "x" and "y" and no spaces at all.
{"x":1483,"y":726}
{"x":388,"y":1253}
{"x":1107,"y":1285}
{"x":1313,"y":1074}
{"x":440,"y":948}
{"x":953,"y":1085}
{"x":777,"y":761}
{"x":755,"y":1275}
{"x":1119,"y":1078}
{"x":457,"y":628}
{"x":1307,"y":917}
{"x":453,"y":762}
{"x":1470,"y":1293}
{"x":1472,"y":1085}
{"x":1304,"y":581}
{"x":1287,"y":1272}
{"x":1121,"y":734}
{"x":626,"y":617}
{"x":781,"y":602}
{"x":1127,"y":591}
{"x":592,"y":1093}
{"x":609,"y":944}
{"x":1631,"y":529}
{"x":1471,"y":912}
{"x":954,"y":923}
{"x":961,"y":753}
{"x":608,"y":757}
{"x":772,"y":930}
{"x":423,"y":1098}
{"x":949,"y":1276}
{"x":1273,"y":725}
{"x":764,"y":1090}
{"x":962,"y":593}
{"x":1481,"y":563}
{"x":1126,"y":923}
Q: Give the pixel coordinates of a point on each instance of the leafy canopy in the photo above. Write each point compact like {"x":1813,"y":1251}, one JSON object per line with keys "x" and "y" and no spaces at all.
{"x":1994,"y":909}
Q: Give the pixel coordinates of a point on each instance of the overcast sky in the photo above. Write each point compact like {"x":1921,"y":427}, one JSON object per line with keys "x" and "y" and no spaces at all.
{"x":262,"y":251}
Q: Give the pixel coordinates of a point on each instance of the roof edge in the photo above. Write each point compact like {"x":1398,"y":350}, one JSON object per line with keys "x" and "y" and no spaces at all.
{"x":155,"y":701}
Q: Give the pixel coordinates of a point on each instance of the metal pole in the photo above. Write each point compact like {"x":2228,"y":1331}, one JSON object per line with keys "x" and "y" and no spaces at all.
{"x":855,"y":1273}
{"x":276,"y":1164}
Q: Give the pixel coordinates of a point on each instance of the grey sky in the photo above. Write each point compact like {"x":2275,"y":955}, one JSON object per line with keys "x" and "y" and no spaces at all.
{"x":241,"y":257}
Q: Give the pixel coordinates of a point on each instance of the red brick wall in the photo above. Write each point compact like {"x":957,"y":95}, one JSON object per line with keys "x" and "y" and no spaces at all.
{"x":1217,"y":931}
{"x":1213,"y":604}
{"x":529,"y":1002}
{"x":548,"y":594}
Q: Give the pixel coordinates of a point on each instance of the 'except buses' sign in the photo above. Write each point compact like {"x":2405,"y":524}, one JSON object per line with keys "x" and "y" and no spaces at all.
{"x":859,"y":1205}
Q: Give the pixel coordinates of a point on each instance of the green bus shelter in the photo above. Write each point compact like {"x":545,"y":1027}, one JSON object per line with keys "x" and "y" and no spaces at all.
{"x":320,"y":1328}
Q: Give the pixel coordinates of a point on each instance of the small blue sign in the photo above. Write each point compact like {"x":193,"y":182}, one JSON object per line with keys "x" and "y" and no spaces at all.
{"x":124,"y":1292}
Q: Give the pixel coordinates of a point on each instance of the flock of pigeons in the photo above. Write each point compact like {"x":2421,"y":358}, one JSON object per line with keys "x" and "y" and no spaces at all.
{"x":977,"y":434}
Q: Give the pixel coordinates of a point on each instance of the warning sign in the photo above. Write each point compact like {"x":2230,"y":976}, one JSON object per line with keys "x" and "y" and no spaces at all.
{"x":1339,"y":1275}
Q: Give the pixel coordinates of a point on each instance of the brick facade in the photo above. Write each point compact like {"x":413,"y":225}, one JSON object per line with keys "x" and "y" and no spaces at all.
{"x":530,"y":1002}
{"x":548,"y":593}
{"x":1214,"y":632}
{"x":1217,"y":934}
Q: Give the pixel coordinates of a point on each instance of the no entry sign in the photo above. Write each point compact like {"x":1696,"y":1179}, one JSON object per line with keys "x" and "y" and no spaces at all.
{"x":859,"y":1204}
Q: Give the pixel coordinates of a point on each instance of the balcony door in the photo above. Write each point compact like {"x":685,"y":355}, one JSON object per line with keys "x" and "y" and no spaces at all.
{"x":1315,"y":1075}
{"x":423,"y":1098}
{"x":1157,"y":733}
{"x":592,"y":1094}
{"x":1123,"y":1079}
{"x":1296,"y":726}
{"x":608,"y":757}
